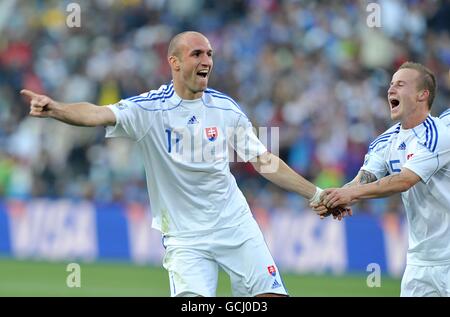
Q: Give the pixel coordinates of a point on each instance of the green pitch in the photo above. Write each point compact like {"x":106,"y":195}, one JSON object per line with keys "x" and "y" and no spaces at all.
{"x":30,"y":278}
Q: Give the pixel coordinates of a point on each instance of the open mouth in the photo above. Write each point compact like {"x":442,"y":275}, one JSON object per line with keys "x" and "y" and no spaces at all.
{"x":394,"y":103}
{"x":202,"y":73}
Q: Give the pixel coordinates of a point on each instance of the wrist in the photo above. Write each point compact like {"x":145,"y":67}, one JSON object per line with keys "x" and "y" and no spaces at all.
{"x":315,"y":199}
{"x":56,"y":110}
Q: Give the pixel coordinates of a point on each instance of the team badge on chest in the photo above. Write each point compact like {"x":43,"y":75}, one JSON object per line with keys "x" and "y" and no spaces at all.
{"x":212,"y":133}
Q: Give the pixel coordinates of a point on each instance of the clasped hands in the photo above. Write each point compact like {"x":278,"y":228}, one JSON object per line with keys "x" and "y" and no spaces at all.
{"x":335,"y":202}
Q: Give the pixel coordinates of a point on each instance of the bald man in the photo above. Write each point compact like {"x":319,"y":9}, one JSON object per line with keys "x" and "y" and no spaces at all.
{"x":184,"y":131}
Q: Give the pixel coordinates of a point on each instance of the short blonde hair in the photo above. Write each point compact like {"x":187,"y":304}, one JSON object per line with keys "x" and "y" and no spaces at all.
{"x":426,"y":81}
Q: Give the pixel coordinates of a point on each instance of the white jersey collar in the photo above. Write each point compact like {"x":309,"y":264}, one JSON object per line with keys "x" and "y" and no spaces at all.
{"x":420,"y":127}
{"x":175,"y":100}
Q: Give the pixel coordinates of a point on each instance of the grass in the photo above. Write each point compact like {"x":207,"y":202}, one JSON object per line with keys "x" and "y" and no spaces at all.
{"x":35,"y":278}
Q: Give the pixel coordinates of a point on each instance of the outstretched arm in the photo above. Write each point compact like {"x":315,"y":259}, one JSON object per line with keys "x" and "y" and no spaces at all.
{"x":386,"y":186}
{"x":278,"y":172}
{"x":363,"y":177}
{"x":80,"y":114}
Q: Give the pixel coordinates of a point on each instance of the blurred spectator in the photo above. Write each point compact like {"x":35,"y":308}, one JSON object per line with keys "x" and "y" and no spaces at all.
{"x":312,"y":68}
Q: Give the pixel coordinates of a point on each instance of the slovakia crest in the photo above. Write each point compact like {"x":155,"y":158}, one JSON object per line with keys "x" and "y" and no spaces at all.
{"x":272,"y":270}
{"x":212,"y":133}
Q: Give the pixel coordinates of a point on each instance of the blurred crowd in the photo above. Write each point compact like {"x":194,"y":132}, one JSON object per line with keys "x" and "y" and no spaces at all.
{"x":315,"y":69}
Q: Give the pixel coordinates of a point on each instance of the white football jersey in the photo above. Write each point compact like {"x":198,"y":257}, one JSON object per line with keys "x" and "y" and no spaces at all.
{"x":445,"y":117}
{"x":186,"y":155}
{"x":425,"y":150}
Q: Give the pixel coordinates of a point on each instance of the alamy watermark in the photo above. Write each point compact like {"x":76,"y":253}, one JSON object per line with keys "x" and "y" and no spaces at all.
{"x":74,"y":277}
{"x":73,"y":19}
{"x":373,"y":19}
{"x":194,"y":144}
{"x":374,"y":278}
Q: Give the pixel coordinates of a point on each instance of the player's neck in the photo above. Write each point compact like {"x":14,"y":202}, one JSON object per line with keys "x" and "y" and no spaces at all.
{"x":414,"y":119}
{"x":185,"y":93}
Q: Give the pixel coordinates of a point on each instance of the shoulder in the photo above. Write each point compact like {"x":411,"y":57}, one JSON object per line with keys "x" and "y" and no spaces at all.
{"x":439,"y":133}
{"x":445,"y":117}
{"x":435,"y":134}
{"x":219,"y":100}
{"x":152,"y":100}
{"x":383,"y":139}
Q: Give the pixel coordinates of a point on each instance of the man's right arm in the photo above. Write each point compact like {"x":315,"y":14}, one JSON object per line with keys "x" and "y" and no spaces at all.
{"x":79,"y":114}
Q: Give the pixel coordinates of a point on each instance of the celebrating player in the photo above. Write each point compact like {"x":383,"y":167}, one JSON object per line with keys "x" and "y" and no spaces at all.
{"x":416,"y":154}
{"x":196,"y":203}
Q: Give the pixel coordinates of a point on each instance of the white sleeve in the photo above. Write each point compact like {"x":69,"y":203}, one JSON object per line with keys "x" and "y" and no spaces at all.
{"x":245,"y":142}
{"x":375,"y":164}
{"x":426,"y":163}
{"x":445,"y":117}
{"x":131,"y":121}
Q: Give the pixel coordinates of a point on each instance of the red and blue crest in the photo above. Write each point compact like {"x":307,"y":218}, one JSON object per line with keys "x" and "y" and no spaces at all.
{"x":272,"y":270}
{"x":212,"y":133}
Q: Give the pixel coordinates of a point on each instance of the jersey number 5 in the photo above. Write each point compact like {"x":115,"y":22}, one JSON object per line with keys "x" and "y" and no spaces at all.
{"x":393,"y":168}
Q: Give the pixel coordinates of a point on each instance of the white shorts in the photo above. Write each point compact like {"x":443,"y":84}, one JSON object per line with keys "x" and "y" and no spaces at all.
{"x":193,"y":263}
{"x":426,"y":281}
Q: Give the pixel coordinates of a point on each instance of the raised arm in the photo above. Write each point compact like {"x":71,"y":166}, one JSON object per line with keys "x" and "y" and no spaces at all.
{"x":79,"y":114}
